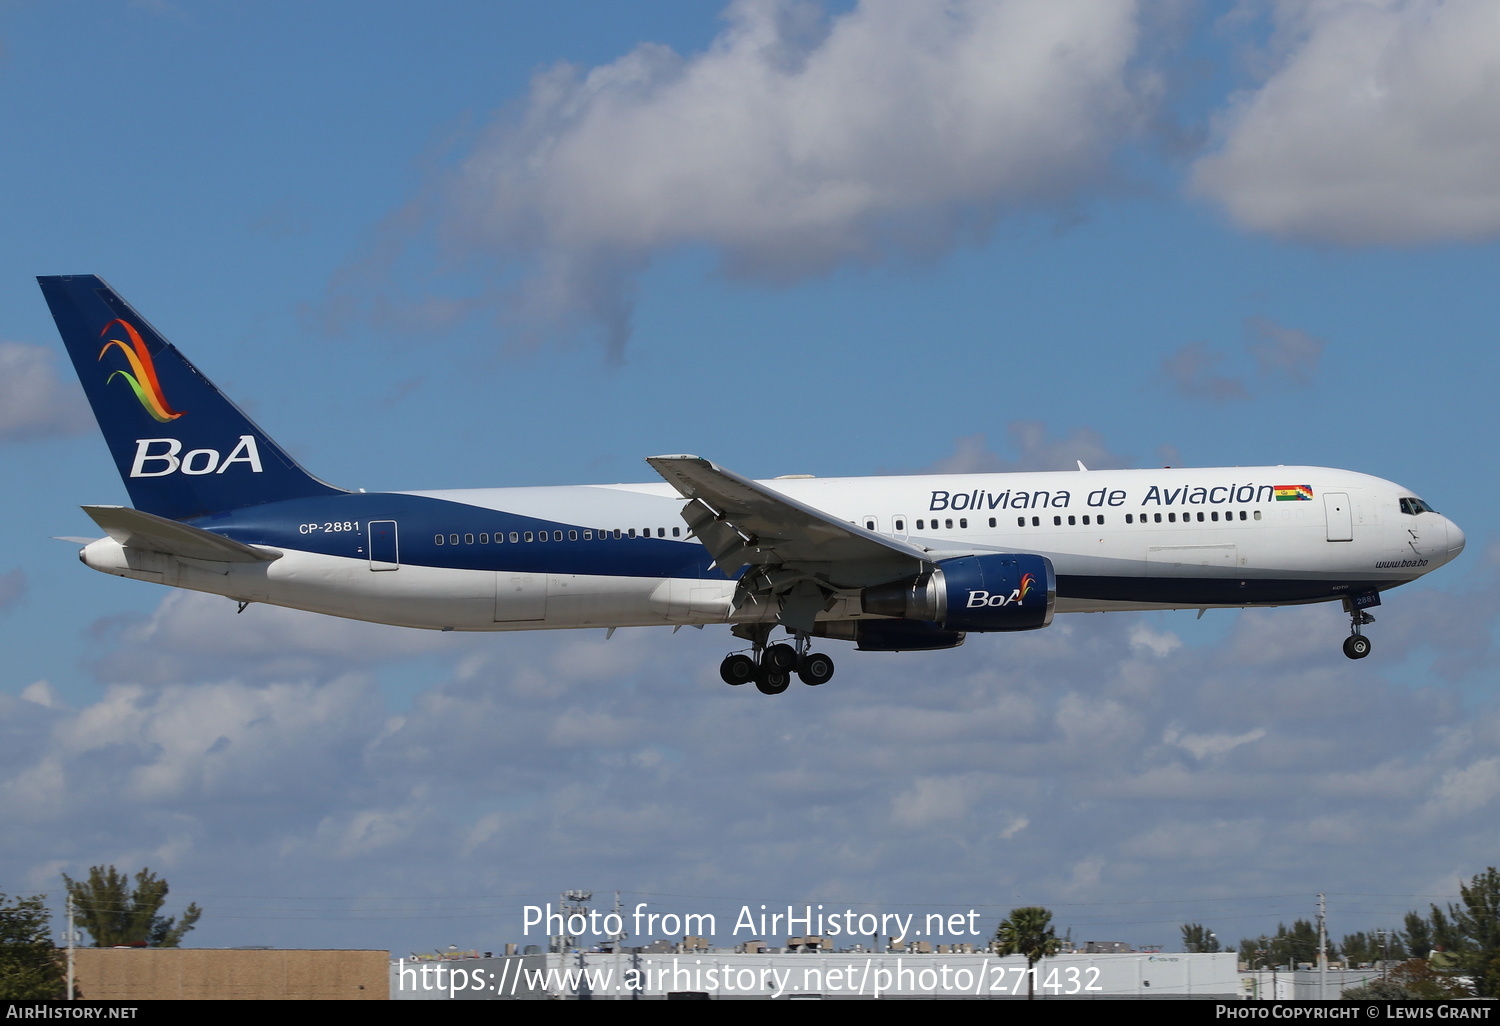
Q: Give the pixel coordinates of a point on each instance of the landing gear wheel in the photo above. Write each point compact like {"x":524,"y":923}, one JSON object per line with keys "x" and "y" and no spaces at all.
{"x":771,"y":681}
{"x":1356,"y":646}
{"x":737,"y":669}
{"x":816,"y":669}
{"x":782,"y":657}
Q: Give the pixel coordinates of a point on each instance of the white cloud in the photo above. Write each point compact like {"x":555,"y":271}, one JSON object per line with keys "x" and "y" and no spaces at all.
{"x":795,"y":144}
{"x":12,"y":587}
{"x":1158,"y":643}
{"x":35,"y":402}
{"x":1034,"y":451}
{"x":1201,"y":745}
{"x":1283,"y":356}
{"x":933,"y":801}
{"x":1101,"y":753}
{"x":1467,"y":789}
{"x":192,"y":635}
{"x":1379,"y":124}
{"x":225,"y":740}
{"x":43,"y":694}
{"x":1192,"y":372}
{"x":1286,"y":354}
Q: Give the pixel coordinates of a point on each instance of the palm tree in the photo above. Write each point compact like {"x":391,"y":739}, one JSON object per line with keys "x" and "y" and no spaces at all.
{"x":1028,"y":931}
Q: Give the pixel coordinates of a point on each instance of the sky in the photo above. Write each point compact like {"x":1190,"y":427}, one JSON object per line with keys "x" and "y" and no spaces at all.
{"x":483,"y":244}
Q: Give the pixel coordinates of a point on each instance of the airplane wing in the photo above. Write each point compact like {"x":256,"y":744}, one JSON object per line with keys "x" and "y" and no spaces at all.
{"x":802,"y":555}
{"x":157,"y":534}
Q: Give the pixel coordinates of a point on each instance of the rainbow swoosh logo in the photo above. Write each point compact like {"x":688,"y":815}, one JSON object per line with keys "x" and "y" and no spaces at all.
{"x":1027,"y":580}
{"x":142,"y":374}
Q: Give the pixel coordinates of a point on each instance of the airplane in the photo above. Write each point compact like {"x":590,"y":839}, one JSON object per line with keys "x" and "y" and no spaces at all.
{"x":912,"y":563}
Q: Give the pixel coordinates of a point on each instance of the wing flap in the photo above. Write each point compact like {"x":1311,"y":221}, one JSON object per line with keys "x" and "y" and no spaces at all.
{"x":135,"y":529}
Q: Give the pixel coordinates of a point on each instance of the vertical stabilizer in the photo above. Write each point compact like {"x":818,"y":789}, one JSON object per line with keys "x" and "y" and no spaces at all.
{"x":183,"y":449}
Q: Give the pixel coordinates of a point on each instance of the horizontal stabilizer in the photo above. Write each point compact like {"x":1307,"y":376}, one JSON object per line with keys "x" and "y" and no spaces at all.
{"x":132,"y":528}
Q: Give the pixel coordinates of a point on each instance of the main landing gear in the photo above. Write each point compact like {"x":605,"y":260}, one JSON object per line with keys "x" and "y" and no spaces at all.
{"x":1356,"y":645}
{"x":771,"y":666}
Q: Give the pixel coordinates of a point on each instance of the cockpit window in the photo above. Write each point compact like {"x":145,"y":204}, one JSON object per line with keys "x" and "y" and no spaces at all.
{"x":1413,"y":506}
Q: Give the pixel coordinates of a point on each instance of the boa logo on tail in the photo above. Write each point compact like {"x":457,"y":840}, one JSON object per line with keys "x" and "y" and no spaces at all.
{"x":143,"y":381}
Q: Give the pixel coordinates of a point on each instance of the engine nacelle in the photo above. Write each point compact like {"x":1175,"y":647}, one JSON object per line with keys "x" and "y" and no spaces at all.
{"x":904,"y":636}
{"x":1000,"y":592}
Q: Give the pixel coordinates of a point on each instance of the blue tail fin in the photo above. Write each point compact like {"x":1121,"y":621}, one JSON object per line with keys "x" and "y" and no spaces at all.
{"x":183,"y":449}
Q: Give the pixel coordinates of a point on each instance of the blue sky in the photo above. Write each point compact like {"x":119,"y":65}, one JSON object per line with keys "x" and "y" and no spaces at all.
{"x":486,"y":244}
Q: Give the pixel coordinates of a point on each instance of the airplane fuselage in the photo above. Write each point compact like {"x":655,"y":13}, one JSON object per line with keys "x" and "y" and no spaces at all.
{"x":620,"y":555}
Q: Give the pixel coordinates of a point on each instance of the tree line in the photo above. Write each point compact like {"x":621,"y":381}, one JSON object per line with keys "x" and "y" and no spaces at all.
{"x":1453,"y":950}
{"x":112,"y":909}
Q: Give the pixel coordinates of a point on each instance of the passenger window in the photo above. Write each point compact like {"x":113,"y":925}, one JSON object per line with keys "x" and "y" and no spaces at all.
{"x":1072,"y":521}
{"x":963,"y":523}
{"x":541,"y":536}
{"x":1057,"y":521}
{"x":1085,"y":520}
{"x":1020,"y":522}
{"x":484,"y":539}
{"x":992,"y":521}
{"x":453,"y":539}
{"x":1101,"y":518}
{"x":1158,"y":518}
{"x":676,"y":532}
{"x":901,"y":525}
{"x":588,"y":535}
{"x":514,"y":537}
{"x":1128,"y":520}
{"x":1036,"y":521}
{"x":468,"y":539}
{"x":572,"y":536}
{"x":1257,"y":514}
{"x":1171,"y":518}
{"x":947,"y":525}
{"x":557,"y":536}
{"x":529,"y":536}
{"x":438,"y":539}
{"x":632,"y":532}
{"x":1200,"y":516}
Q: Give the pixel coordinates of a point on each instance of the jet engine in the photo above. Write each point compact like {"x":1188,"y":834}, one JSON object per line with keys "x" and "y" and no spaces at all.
{"x":999,"y":592}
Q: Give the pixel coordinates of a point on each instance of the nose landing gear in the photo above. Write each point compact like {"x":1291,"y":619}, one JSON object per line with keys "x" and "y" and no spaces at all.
{"x":771,"y":666}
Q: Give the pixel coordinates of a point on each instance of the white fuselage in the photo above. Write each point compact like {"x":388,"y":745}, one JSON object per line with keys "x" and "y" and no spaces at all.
{"x":1130,"y":539}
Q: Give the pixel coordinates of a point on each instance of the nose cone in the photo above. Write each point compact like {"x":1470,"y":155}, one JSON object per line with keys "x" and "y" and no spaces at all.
{"x":1456,"y":540}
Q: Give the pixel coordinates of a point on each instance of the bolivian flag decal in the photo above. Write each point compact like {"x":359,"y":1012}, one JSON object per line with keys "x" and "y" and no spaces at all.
{"x":1294,"y":493}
